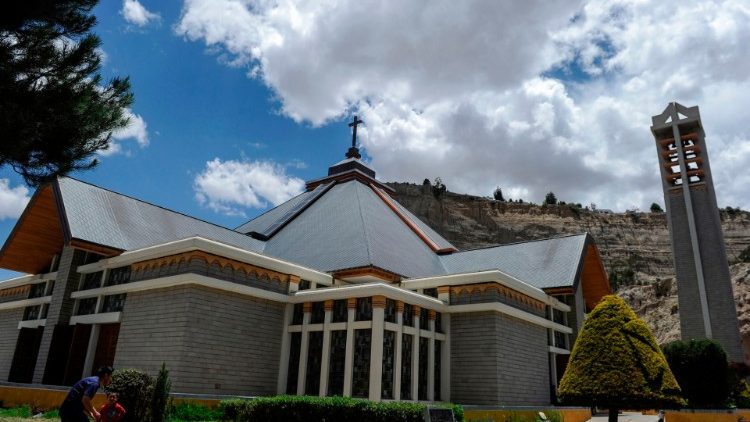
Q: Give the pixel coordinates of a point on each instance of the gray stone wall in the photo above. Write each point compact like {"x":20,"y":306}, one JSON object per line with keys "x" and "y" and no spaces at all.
{"x":498,"y":360}
{"x":8,"y":337}
{"x":212,"y":342}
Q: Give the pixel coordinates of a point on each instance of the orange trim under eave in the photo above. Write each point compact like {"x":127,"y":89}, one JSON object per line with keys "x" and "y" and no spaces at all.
{"x":435,"y":248}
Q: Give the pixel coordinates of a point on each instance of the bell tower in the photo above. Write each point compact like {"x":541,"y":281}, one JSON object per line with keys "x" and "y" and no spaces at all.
{"x":704,"y":286}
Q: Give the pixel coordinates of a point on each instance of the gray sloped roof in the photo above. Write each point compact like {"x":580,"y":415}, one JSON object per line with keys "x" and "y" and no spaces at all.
{"x":111,"y":219}
{"x":350,"y":227}
{"x":541,"y":263}
{"x":267,"y":220}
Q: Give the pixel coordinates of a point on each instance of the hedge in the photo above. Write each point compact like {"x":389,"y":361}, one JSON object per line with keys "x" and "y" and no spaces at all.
{"x":329,"y":409}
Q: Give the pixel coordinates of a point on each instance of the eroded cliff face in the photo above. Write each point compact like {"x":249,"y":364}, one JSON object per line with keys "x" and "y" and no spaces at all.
{"x":635,"y":247}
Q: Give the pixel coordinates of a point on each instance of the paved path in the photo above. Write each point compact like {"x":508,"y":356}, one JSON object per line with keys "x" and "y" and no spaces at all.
{"x":627,"y":417}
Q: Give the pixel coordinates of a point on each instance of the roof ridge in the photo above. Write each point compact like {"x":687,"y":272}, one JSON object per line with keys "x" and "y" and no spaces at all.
{"x":520,"y":242}
{"x":148,"y":203}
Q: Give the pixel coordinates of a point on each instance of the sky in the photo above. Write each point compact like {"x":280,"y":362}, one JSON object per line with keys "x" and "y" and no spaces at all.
{"x":238,"y":102}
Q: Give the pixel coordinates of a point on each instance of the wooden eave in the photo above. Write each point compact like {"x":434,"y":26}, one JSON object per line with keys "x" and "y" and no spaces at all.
{"x":593,"y":277}
{"x":371,"y":271}
{"x":37,"y":236}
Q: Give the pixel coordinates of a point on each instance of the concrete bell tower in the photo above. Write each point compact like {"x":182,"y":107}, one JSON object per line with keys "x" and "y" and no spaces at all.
{"x":704,"y":287}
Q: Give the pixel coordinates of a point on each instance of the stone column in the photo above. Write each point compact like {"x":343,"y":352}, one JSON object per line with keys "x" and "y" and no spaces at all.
{"x":445,"y":357}
{"x":325,"y":356}
{"x":61,"y":306}
{"x":351,"y":305}
{"x":431,"y":358}
{"x":285,"y":346}
{"x":415,"y":356}
{"x":302,"y":372}
{"x":399,"y":341}
{"x":376,"y":347}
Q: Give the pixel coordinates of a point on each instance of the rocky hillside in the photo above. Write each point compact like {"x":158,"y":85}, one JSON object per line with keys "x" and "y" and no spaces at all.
{"x":635,"y":246}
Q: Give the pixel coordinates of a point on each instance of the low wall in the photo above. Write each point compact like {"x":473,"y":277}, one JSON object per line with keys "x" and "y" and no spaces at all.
{"x":39,"y":397}
{"x":700,"y":415}
{"x":476,"y":414}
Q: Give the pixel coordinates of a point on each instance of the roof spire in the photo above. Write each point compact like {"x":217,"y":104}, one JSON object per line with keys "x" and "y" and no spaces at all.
{"x":354,"y":151}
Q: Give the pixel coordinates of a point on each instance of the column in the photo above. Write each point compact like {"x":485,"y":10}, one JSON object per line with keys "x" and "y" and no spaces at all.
{"x":444,"y":294}
{"x":351,"y":305}
{"x":326,"y":355}
{"x":91,"y":351}
{"x":376,"y":347}
{"x":399,"y":340}
{"x":293,"y":283}
{"x":431,"y":359}
{"x":415,"y":356}
{"x":302,"y":372}
{"x":284,"y":358}
{"x":58,"y":313}
{"x":445,"y":368}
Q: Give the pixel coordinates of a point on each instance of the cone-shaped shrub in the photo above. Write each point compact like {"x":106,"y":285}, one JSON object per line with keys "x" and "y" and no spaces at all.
{"x":616,"y":363}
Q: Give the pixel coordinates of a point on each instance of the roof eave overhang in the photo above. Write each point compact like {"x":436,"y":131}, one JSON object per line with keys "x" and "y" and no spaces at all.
{"x":211,"y":246}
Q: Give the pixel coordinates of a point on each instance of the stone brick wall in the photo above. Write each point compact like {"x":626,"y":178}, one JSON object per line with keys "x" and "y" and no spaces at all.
{"x":8,"y":337}
{"x":212,"y":342}
{"x":496,"y":360}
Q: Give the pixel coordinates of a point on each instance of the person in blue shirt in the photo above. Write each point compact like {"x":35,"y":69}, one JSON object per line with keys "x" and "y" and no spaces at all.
{"x":77,"y":406}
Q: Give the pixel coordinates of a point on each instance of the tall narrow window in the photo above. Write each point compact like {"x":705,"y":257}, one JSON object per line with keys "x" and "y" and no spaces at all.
{"x":438,"y":355}
{"x":314,"y":354}
{"x":406,"y":357}
{"x":361,"y":372}
{"x":424,"y":342}
{"x":364,"y":309}
{"x":389,"y":348}
{"x":340,"y":312}
{"x":337,"y":362}
{"x":293,"y":370}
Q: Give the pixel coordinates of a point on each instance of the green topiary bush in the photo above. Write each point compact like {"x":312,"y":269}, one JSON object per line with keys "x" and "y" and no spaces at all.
{"x":136,"y":391}
{"x":617,"y":364}
{"x":329,"y":409}
{"x":702,"y":371}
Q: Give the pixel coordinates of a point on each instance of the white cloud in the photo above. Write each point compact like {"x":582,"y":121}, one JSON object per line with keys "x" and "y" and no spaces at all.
{"x":230,"y":186}
{"x":466,"y":90}
{"x":136,"y":130}
{"x":134,"y":13}
{"x":12,"y":200}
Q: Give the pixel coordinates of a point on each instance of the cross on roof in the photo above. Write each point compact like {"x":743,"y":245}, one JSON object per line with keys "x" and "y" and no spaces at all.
{"x":354,"y":151}
{"x":355,"y":122}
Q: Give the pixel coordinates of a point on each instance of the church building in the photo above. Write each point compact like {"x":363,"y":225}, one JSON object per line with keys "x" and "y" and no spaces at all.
{"x":338,"y":291}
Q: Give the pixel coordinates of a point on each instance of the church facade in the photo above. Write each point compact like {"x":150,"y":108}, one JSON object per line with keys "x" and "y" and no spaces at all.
{"x":339,"y":291}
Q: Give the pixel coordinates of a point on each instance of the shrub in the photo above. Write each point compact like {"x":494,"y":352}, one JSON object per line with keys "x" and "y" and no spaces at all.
{"x":438,"y":188}
{"x":656,"y":208}
{"x":701,"y":368}
{"x":161,"y":395}
{"x":194,"y":412}
{"x":136,"y":391}
{"x":330,"y":409}
{"x":616,"y":363}
{"x":745,"y":255}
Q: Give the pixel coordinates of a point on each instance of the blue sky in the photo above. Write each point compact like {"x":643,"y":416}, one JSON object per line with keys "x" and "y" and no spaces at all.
{"x":237,"y":102}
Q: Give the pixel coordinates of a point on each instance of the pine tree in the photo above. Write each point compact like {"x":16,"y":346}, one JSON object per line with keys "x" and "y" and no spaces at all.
{"x":55,"y":113}
{"x":550,"y":199}
{"x":498,"y":194}
{"x":617,"y":364}
{"x":160,"y":398}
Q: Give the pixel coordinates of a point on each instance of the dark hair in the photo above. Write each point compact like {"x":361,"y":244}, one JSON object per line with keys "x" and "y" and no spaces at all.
{"x":104,"y":370}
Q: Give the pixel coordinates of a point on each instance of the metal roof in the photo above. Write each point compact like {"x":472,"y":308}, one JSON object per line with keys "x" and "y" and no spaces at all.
{"x":542,"y":263}
{"x":108,"y":218}
{"x":351,"y":227}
